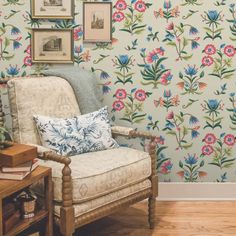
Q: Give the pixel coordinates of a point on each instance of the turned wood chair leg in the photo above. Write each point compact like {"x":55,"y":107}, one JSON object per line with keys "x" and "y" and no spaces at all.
{"x":151,"y":211}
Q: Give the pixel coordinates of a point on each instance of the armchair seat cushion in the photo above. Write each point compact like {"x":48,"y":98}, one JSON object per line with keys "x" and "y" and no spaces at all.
{"x":97,"y":174}
{"x":94,"y":204}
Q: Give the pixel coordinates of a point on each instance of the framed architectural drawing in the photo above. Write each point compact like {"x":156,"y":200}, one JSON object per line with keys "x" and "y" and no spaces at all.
{"x":52,"y":46}
{"x":52,"y":9}
{"x":97,"y":21}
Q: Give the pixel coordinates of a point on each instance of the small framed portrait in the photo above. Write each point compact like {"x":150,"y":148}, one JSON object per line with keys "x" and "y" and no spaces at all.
{"x":52,"y":9}
{"x":97,"y":21}
{"x":52,"y":46}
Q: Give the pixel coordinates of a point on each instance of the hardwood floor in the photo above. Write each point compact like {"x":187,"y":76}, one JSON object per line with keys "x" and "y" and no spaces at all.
{"x":172,"y":219}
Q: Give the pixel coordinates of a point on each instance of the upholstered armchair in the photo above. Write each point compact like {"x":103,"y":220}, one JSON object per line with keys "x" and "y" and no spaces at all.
{"x":91,"y":185}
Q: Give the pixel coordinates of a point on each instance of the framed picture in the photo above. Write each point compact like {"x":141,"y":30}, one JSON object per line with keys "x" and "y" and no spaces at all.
{"x":52,"y":46}
{"x":52,"y":9}
{"x":97,"y":21}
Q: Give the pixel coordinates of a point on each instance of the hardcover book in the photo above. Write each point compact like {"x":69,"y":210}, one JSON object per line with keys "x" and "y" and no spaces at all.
{"x":18,"y":175}
{"x":27,"y":166}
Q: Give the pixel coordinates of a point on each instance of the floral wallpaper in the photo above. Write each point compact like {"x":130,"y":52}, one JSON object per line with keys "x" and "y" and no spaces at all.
{"x":170,"y":69}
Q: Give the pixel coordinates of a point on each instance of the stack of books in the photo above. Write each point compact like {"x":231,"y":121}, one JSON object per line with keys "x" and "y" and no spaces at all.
{"x":18,"y":161}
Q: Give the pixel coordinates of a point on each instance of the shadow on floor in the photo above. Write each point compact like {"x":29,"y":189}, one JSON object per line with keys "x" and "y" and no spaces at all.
{"x":132,"y":221}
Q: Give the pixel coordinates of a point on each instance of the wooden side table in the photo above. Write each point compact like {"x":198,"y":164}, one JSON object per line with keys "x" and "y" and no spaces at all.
{"x":9,"y":187}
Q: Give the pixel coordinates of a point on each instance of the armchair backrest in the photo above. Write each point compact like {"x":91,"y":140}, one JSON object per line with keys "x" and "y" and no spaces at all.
{"x":49,"y":96}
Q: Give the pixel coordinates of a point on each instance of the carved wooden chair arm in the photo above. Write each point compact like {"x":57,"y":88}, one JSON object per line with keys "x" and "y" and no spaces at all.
{"x":67,"y":213}
{"x":130,"y":132}
{"x":52,"y":156}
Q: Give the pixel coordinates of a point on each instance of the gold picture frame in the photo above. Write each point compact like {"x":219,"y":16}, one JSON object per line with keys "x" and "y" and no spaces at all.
{"x":97,"y":21}
{"x":52,"y":9}
{"x":52,"y":46}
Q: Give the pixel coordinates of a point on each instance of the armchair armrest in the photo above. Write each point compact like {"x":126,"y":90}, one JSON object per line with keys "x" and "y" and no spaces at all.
{"x":47,"y":154}
{"x":130,"y":132}
{"x":121,"y":130}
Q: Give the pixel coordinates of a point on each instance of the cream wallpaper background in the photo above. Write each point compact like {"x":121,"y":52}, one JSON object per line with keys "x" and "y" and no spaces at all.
{"x":170,"y":69}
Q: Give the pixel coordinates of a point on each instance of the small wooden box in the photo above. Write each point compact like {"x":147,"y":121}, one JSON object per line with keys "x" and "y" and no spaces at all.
{"x":17,"y":154}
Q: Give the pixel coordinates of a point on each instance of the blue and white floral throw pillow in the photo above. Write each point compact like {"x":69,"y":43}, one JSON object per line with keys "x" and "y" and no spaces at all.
{"x":80,"y":134}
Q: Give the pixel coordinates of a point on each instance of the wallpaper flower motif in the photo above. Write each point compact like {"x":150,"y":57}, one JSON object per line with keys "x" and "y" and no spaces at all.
{"x":170,"y":69}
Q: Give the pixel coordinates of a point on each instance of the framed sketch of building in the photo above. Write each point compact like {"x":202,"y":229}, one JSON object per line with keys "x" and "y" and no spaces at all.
{"x":52,"y":9}
{"x":97,"y":21}
{"x":52,"y":46}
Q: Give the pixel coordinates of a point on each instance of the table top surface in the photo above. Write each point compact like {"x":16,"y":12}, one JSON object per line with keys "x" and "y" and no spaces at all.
{"x":8,"y":187}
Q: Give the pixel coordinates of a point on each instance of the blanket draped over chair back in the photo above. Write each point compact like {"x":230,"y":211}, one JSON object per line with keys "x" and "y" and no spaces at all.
{"x":84,"y":84}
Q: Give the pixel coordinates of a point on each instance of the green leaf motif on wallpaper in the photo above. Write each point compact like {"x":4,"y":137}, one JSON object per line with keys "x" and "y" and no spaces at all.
{"x":190,"y":13}
{"x":232,"y":111}
{"x":222,"y":91}
{"x":34,"y":23}
{"x":12,"y":2}
{"x":11,"y":14}
{"x":220,"y":3}
{"x":133,"y":46}
{"x":191,"y":2}
{"x":102,"y":46}
{"x":232,"y":22}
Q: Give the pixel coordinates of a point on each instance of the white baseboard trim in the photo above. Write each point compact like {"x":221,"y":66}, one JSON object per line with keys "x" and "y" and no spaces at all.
{"x":197,"y":191}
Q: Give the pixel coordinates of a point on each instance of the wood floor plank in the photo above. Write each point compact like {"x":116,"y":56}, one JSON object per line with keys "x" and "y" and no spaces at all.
{"x":192,"y":218}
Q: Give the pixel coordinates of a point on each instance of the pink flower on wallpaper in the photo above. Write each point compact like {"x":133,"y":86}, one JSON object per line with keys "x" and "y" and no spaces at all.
{"x":170,"y":115}
{"x":140,"y":95}
{"x":121,"y":5}
{"x":118,"y":16}
{"x":28,"y":61}
{"x":78,"y":33}
{"x":78,"y":49}
{"x":159,"y":140}
{"x":28,"y":50}
{"x":121,"y":94}
{"x":229,"y":50}
{"x":207,"y":150}
{"x":170,"y":26}
{"x":210,"y":49}
{"x":153,"y":55}
{"x":118,"y":105}
{"x":210,"y":138}
{"x":140,"y":6}
{"x":207,"y":61}
{"x":229,"y":140}
{"x":166,"y":78}
{"x":166,"y":167}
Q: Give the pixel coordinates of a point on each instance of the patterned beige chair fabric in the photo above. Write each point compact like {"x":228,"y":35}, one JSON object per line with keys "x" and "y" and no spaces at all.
{"x":93,"y":204}
{"x":50,"y":96}
{"x":96,"y":174}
